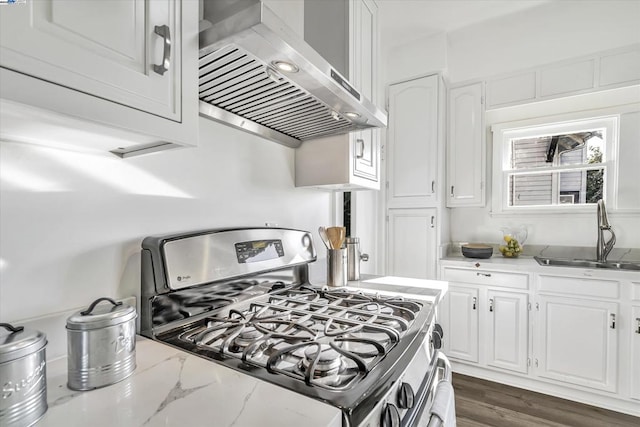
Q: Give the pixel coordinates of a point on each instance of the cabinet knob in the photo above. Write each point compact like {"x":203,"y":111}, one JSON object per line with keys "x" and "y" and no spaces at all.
{"x":475,"y":300}
{"x":491,"y":304}
{"x":638,"y":325}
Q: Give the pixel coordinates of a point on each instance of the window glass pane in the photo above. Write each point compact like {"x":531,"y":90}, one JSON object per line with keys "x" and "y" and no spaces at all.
{"x":527,"y":190}
{"x":552,"y":150}
{"x":529,"y":153}
{"x":556,"y":188}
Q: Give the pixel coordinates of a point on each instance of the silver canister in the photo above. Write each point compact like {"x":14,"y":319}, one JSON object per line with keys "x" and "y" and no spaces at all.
{"x":101,"y":345}
{"x":23,"y":376}
{"x":337,"y":267}
{"x":354,"y":257}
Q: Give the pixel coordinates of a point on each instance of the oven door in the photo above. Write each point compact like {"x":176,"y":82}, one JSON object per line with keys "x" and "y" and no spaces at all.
{"x":435,"y":400}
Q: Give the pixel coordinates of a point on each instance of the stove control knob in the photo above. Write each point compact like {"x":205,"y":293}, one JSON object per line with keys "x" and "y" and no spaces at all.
{"x":405,"y":396}
{"x":438,"y":329}
{"x":436,"y":340}
{"x":436,"y":336}
{"x":390,"y":416}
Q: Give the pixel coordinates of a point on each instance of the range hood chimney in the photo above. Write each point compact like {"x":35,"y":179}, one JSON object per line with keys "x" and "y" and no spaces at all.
{"x":258,"y":75}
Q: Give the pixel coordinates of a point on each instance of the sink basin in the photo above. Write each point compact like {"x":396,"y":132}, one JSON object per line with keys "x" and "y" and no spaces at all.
{"x":586,"y":263}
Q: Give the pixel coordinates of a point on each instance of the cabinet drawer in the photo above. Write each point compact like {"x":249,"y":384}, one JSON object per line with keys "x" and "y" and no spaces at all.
{"x":581,"y":286}
{"x":487,"y":277}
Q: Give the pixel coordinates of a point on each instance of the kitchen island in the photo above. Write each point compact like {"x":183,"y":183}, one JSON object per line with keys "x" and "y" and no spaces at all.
{"x":173,"y":388}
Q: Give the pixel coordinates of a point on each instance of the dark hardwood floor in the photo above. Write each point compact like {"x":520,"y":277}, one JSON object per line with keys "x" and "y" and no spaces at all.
{"x":481,"y":403}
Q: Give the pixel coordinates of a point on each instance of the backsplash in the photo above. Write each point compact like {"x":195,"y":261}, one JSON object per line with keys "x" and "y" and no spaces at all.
{"x":72,"y":223}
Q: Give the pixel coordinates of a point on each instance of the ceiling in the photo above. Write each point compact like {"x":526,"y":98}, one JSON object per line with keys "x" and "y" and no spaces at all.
{"x":406,"y":20}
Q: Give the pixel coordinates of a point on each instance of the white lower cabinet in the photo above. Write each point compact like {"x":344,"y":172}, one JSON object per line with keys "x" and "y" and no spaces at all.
{"x":635,"y":352}
{"x":412,"y":244}
{"x":566,"y":332}
{"x":507,"y":323}
{"x":459,"y":319}
{"x":576,"y":341}
{"x":473,"y":312}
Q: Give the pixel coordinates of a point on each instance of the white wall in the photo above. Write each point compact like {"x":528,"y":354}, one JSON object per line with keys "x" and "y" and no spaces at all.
{"x":417,"y":58}
{"x":71,"y":224}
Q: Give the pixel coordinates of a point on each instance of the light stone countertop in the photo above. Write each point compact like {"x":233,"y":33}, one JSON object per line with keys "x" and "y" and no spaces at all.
{"x":173,"y":388}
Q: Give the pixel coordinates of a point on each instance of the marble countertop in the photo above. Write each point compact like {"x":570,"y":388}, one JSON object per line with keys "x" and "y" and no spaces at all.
{"x":173,"y":388}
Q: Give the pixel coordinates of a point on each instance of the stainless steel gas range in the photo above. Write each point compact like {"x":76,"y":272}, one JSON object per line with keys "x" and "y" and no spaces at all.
{"x":242,"y":298}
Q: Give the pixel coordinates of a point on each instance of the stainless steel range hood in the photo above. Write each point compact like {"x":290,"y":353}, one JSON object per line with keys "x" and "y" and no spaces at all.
{"x":243,"y":48}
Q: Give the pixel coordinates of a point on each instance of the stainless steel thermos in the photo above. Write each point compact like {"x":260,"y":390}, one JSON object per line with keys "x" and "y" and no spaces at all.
{"x":354,"y":257}
{"x":101,"y":344}
{"x":23,"y":375}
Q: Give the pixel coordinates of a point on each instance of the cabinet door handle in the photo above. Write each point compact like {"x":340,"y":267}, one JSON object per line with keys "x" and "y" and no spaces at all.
{"x":433,"y":221}
{"x":638,"y":325}
{"x":475,"y":300}
{"x":483,"y":274}
{"x":491,"y":305}
{"x":433,"y":186}
{"x":360,"y":142}
{"x":613,"y":321}
{"x":452,"y":191}
{"x":164,"y":32}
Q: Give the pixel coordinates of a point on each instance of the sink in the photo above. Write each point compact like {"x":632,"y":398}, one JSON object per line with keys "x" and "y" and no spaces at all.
{"x":587,"y":263}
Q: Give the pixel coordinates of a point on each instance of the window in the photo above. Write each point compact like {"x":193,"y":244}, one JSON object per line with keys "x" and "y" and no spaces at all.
{"x":554,"y":166}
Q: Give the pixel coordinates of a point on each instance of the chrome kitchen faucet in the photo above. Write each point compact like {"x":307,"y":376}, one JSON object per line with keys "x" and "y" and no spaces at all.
{"x":603,"y":248}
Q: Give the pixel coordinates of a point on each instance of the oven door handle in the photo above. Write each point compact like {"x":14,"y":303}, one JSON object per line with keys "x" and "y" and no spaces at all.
{"x":440,"y":369}
{"x":443,"y":362}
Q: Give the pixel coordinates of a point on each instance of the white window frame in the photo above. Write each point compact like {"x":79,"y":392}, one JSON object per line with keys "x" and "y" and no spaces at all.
{"x":503,"y":133}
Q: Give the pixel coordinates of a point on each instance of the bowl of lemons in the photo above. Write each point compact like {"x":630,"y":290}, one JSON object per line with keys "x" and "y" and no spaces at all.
{"x":513,"y":239}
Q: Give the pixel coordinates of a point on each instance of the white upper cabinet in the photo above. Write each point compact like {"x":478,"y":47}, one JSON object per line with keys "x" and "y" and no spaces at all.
{"x":352,"y":161}
{"x":465,"y":147}
{"x":129,"y":53}
{"x":606,"y":70}
{"x":412,"y":153}
{"x":123,"y":51}
{"x":363,"y":36}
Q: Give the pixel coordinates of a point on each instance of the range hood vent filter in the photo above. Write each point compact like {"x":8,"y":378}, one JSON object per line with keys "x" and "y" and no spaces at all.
{"x":238,"y":83}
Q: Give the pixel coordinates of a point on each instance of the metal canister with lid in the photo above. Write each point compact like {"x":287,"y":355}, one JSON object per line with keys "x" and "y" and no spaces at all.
{"x":23,"y":376}
{"x":354,"y":257}
{"x":101,"y":344}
